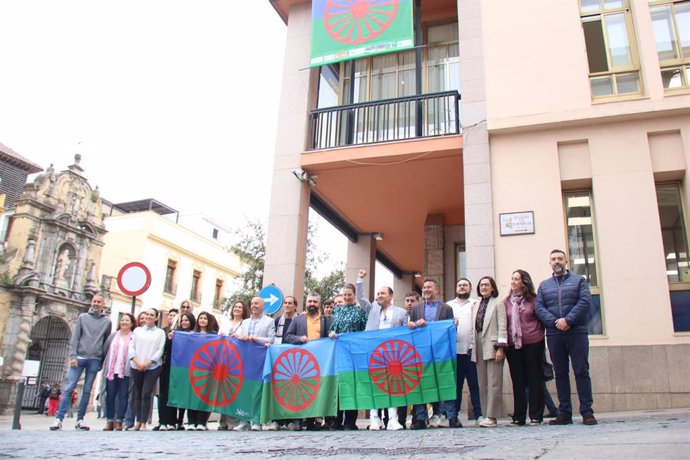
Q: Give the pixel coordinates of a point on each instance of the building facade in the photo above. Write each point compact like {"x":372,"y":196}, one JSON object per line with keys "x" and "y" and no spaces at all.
{"x":509,"y":130}
{"x":53,"y":247}
{"x":184,"y":264}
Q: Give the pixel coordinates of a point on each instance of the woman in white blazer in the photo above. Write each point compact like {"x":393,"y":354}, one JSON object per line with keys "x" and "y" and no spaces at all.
{"x":489,"y":339}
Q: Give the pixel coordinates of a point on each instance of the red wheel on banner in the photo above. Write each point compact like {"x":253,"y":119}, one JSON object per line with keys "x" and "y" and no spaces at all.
{"x":395,"y":367}
{"x":216,"y":373}
{"x":295,"y":379}
{"x":358,"y":21}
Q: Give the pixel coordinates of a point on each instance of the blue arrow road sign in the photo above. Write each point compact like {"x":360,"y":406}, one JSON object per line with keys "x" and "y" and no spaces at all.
{"x":273,"y":298}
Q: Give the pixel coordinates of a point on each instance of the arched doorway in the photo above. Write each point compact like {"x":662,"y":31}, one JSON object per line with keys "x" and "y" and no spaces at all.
{"x":50,"y":338}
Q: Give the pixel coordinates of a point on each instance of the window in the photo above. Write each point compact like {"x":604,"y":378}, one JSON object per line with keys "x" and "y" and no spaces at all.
{"x":582,"y":255}
{"x":195,"y":293}
{"x":169,"y":286}
{"x":613,"y":65}
{"x":215,"y":234}
{"x":671,"y":24}
{"x":673,"y":233}
{"x":218,"y":296}
{"x":581,"y":244}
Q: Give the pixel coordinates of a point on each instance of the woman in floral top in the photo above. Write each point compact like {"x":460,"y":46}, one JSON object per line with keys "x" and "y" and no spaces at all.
{"x":347,"y":318}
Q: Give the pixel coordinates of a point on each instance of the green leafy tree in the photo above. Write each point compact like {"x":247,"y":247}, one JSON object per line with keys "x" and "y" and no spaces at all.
{"x":250,"y":246}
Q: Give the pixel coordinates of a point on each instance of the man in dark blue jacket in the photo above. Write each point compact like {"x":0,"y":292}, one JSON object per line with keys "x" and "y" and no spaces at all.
{"x":563,"y":305}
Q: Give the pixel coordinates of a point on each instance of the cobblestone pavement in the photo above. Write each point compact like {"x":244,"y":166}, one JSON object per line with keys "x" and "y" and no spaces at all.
{"x":648,"y":435}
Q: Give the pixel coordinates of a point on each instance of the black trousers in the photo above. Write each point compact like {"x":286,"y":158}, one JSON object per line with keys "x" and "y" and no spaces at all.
{"x":166,"y":415}
{"x":143,"y":384}
{"x":198,"y":417}
{"x":525,"y":370}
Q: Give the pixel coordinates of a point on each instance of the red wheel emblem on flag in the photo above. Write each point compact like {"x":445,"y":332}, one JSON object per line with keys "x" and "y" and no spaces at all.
{"x":216,"y":373}
{"x":395,"y":367}
{"x":295,"y":379}
{"x":358,"y":21}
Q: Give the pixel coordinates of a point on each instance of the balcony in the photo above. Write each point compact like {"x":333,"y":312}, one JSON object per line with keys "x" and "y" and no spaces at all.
{"x":427,"y":115}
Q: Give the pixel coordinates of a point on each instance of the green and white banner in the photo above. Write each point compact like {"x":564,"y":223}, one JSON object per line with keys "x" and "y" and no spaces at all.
{"x":351,"y":29}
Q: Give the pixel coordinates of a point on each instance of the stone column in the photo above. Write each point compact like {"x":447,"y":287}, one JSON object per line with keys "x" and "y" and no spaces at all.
{"x":362,"y":254}
{"x":401,"y":287}
{"x":286,"y":235}
{"x":479,"y":234}
{"x":434,"y":243}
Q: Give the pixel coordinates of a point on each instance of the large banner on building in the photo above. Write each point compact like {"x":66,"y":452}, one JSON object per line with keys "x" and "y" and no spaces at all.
{"x":350,"y":29}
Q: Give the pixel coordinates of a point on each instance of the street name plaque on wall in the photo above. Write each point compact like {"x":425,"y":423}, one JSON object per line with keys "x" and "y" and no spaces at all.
{"x":517,"y":223}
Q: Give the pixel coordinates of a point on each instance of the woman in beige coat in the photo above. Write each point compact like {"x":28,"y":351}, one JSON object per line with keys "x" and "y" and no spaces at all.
{"x":489,"y":338}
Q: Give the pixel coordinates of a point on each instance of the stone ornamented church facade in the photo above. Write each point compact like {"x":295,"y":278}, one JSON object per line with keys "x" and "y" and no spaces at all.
{"x":48,"y":276}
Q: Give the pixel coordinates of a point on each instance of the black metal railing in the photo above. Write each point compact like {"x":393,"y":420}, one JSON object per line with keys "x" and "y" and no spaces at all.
{"x":427,"y":115}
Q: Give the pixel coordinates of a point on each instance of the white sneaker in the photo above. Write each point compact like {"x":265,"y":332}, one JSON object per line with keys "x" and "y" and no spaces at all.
{"x":489,"y":423}
{"x":435,"y":421}
{"x":479,"y":420}
{"x":243,"y":426}
{"x":57,"y":426}
{"x":270,"y":426}
{"x":394,"y":425}
{"x":375,"y":423}
{"x":163,"y":428}
{"x":256,"y":427}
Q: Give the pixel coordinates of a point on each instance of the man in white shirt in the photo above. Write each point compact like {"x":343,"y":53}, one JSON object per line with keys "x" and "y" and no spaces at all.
{"x":462,"y":312}
{"x":257,"y":328}
{"x":381,"y":314}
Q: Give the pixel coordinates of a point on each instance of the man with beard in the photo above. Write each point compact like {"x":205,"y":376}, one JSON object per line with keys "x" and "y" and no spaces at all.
{"x":304,"y":328}
{"x":462,"y":311}
{"x":431,"y":309}
{"x":563,"y":305}
{"x":381,"y":314}
{"x":411,"y":299}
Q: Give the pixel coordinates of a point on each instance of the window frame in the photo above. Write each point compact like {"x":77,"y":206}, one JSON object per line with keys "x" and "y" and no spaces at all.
{"x":675,"y":285}
{"x":595,"y":291}
{"x":633,"y":68}
{"x":169,"y":283}
{"x":681,"y":63}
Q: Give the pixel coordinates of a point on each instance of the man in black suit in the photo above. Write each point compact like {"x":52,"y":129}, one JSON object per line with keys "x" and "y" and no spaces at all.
{"x":429,"y":310}
{"x":304,"y":328}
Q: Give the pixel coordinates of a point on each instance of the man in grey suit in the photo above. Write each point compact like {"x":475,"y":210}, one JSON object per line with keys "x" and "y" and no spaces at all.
{"x":304,"y":328}
{"x":431,"y":309}
{"x":381,"y":314}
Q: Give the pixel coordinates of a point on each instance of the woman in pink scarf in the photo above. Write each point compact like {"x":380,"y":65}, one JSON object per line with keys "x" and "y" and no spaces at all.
{"x":116,"y":370}
{"x":525,"y":350}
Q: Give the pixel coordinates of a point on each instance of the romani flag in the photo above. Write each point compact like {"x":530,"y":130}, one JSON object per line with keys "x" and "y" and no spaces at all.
{"x":216,"y":374}
{"x":396,"y":367}
{"x":299,"y":381}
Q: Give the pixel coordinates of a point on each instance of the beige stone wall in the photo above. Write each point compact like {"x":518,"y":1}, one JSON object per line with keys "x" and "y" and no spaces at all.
{"x":530,"y":172}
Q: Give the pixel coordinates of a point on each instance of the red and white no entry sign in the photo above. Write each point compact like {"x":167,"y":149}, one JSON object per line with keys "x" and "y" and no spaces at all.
{"x":134,"y":278}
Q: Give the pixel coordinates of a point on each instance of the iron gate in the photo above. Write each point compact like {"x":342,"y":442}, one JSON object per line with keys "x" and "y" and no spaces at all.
{"x":50,"y":338}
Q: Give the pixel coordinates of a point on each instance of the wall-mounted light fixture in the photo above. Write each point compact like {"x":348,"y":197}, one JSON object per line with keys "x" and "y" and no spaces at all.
{"x":378,"y":236}
{"x":304,"y":176}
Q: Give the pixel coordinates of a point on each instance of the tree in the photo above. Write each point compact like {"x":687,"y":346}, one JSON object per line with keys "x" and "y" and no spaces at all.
{"x":251,"y":248}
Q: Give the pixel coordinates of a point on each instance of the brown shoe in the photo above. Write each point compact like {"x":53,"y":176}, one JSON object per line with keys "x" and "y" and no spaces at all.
{"x":118,"y":426}
{"x":108,"y":426}
{"x":589,"y":420}
{"x":137,"y":426}
{"x":562,"y":420}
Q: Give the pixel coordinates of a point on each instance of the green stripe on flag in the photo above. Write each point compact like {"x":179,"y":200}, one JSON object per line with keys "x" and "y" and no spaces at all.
{"x":246,"y":406}
{"x":324,"y":405}
{"x":438,"y":383}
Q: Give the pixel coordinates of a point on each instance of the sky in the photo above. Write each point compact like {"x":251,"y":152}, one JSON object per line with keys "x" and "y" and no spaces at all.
{"x":175,"y":100}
